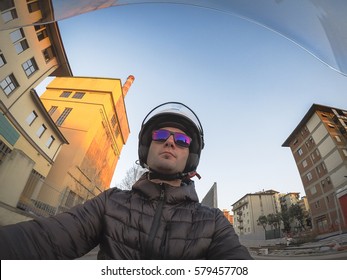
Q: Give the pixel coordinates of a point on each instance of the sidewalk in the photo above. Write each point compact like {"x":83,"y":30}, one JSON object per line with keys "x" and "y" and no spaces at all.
{"x":328,"y":247}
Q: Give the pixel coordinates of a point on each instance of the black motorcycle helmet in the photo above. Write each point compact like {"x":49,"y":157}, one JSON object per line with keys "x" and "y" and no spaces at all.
{"x":178,"y":115}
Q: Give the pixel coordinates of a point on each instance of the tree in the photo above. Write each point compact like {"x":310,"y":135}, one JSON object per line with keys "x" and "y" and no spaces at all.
{"x":131,"y":176}
{"x":296,"y":212}
{"x":284,"y":216}
{"x":274,"y":220}
{"x":262,"y":220}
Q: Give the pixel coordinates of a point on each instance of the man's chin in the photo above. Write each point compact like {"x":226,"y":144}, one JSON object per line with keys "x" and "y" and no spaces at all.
{"x":167,"y":170}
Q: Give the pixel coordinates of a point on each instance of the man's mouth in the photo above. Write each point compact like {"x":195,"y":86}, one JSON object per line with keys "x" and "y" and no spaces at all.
{"x":166,"y":153}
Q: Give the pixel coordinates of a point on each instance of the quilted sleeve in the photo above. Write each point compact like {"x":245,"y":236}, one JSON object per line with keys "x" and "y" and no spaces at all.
{"x":225,"y":244}
{"x":68,"y":235}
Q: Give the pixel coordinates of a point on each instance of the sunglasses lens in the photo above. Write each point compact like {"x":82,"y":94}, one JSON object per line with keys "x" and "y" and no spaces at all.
{"x":182,"y":139}
{"x":160,"y":135}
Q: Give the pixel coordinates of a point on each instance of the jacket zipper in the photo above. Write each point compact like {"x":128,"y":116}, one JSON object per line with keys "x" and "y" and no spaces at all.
{"x":149,"y":248}
{"x":164,"y":243}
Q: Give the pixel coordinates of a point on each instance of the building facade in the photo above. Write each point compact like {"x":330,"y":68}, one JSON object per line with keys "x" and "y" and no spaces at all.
{"x":319,"y":147}
{"x":91,"y":113}
{"x":29,"y":139}
{"x":250,"y":207}
{"x":289,"y":199}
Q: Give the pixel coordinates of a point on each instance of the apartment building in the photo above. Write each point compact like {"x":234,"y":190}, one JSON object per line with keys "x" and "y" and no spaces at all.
{"x":29,"y":139}
{"x":250,"y":207}
{"x":289,"y":199}
{"x":319,"y":147}
{"x":91,"y":113}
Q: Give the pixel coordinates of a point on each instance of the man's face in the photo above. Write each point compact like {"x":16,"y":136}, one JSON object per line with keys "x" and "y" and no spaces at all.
{"x":167,"y":157}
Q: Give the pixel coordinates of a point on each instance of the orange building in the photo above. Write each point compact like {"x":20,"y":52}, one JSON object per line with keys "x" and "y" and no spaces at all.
{"x":91,"y":114}
{"x":228,"y":216}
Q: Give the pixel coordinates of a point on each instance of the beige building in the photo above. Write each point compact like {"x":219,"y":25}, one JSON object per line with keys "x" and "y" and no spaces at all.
{"x":289,"y":199}
{"x":29,"y":140}
{"x":91,"y":113}
{"x":250,"y":207}
{"x":319,"y":147}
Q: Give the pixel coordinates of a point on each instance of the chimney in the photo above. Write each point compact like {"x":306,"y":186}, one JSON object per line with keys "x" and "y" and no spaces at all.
{"x":128,"y":84}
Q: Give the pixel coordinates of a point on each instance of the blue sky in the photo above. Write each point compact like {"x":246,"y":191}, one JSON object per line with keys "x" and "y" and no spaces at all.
{"x":249,"y":86}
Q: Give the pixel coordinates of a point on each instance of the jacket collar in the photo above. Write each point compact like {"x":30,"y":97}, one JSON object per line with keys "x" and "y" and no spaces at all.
{"x":173,"y":195}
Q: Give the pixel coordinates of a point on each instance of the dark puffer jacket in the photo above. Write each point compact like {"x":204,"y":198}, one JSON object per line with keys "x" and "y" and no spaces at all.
{"x":152,"y":221}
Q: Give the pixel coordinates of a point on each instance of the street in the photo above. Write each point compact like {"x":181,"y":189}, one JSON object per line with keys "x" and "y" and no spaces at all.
{"x":330,"y":256}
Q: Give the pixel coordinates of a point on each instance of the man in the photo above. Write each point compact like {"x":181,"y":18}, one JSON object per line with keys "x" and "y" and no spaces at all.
{"x":160,"y":218}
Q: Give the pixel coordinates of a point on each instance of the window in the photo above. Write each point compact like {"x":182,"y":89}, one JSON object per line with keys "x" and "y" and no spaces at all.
{"x":33,"y":5}
{"x":78,"y":95}
{"x":9,"y":84}
{"x":41,"y":32}
{"x":63,"y":116}
{"x":17,"y":35}
{"x":323,"y":166}
{"x":48,"y":53}
{"x":300,"y":152}
{"x":313,"y":190}
{"x":338,"y":139}
{"x":309,"y":176}
{"x":52,"y":110}
{"x":30,"y":67}
{"x":318,"y":168}
{"x":344,"y":152}
{"x":322,"y":224}
{"x":41,"y":130}
{"x":8,"y":11}
{"x":9,"y":15}
{"x":21,"y":46}
{"x":6,"y":5}
{"x":304,"y":163}
{"x":50,"y":141}
{"x":113,"y":120}
{"x":19,"y":41}
{"x":70,"y":199}
{"x":4,"y":150}
{"x":65,"y":94}
{"x":117,"y":131}
{"x":31,"y":118}
{"x":2,"y":59}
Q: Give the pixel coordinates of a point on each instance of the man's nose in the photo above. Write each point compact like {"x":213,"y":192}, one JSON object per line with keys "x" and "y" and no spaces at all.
{"x":170,"y":141}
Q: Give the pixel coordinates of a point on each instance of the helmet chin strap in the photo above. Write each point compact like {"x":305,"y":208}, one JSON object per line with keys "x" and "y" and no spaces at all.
{"x":171,"y":177}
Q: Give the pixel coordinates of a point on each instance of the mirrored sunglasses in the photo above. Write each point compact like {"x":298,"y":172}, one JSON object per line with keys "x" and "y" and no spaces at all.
{"x":181,"y":139}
